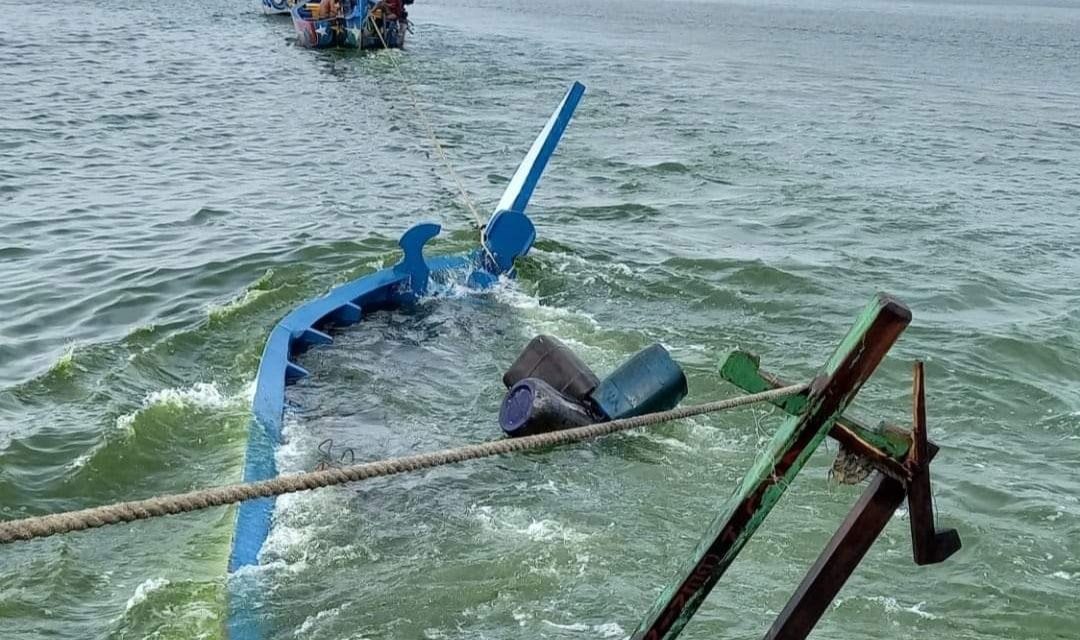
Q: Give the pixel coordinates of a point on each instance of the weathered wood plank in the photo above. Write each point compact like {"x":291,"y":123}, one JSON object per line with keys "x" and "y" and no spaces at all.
{"x":883,"y":449}
{"x":863,"y":524}
{"x":860,"y":352}
{"x":929,"y":544}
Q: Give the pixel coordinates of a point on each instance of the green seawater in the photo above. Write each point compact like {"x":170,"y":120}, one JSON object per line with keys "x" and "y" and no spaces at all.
{"x":175,"y":178}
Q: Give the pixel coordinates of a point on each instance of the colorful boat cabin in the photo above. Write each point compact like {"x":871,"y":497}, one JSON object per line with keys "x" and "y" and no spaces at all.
{"x":351,"y":24}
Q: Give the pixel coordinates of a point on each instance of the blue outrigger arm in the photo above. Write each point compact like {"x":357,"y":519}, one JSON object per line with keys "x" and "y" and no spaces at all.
{"x":508,"y":235}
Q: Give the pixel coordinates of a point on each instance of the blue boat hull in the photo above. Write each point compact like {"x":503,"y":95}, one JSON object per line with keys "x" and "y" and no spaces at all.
{"x":508,"y":235}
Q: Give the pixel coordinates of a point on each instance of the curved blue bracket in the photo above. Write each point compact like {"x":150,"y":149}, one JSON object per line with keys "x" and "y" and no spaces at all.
{"x":508,"y":236}
{"x":412,"y":263}
{"x":509,"y":233}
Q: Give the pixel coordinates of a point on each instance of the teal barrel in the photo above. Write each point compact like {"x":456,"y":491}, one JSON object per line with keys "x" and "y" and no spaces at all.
{"x":650,"y":381}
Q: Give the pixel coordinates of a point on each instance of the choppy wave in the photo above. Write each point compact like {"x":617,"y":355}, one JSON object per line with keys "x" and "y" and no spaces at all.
{"x":161,"y":410}
{"x":604,"y":630}
{"x":515,"y":522}
{"x":889,"y":605}
{"x":756,"y":195}
{"x":143,"y":591}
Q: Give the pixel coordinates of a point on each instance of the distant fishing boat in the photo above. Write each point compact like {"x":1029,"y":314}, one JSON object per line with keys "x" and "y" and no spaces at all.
{"x":508,"y":235}
{"x":351,"y":24}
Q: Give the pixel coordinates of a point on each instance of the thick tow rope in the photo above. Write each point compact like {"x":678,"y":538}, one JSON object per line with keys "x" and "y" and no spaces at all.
{"x":48,"y":525}
{"x":434,"y":139}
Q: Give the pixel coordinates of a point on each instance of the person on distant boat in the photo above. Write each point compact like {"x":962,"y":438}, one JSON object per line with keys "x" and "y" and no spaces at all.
{"x":329,"y":8}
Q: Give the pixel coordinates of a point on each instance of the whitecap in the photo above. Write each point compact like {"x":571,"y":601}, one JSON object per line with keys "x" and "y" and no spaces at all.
{"x":515,"y":522}
{"x":310,"y":625}
{"x":143,"y":591}
{"x":201,"y":395}
{"x":205,"y":395}
{"x":892,"y":606}
{"x":219,"y":312}
{"x":605,"y":630}
{"x":577,"y":626}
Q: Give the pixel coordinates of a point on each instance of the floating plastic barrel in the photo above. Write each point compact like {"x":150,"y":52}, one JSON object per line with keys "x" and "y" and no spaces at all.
{"x":534,"y":406}
{"x":650,"y":381}
{"x":548,"y":359}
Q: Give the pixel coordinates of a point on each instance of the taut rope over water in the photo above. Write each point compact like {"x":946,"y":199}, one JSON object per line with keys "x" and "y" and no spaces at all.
{"x":434,"y":139}
{"x":44,"y":526}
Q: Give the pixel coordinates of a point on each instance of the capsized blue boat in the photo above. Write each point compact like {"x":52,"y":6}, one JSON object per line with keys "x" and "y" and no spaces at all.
{"x":509,"y":235}
{"x":350,"y":24}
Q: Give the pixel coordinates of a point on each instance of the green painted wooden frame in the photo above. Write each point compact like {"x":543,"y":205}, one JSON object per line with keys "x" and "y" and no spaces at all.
{"x":813,"y":414}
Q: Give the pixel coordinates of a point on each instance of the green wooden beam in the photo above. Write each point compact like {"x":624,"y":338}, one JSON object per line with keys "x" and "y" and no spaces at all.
{"x":743,"y":370}
{"x":885,"y":447}
{"x":860,"y":352}
{"x":864,"y":524}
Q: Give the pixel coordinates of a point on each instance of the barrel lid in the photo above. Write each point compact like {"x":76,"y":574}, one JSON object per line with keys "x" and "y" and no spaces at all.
{"x":515,"y":409}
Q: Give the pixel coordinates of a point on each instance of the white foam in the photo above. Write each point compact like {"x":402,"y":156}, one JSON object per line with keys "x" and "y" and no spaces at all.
{"x":294,"y":532}
{"x":143,"y":591}
{"x":892,"y":606}
{"x":515,"y":522}
{"x":1065,"y":575}
{"x":522,"y":617}
{"x":666,"y":441}
{"x":375,"y":264}
{"x":917,"y":610}
{"x":294,"y":452}
{"x":583,"y":562}
{"x":201,"y":395}
{"x":299,"y":518}
{"x":610,"y":630}
{"x":310,"y":625}
{"x":205,"y":395}
{"x":236,"y":304}
{"x":602,"y":270}
{"x":606,"y":630}
{"x":547,"y":487}
{"x":84,"y":459}
{"x":549,"y":531}
{"x":66,"y":360}
{"x":577,"y":626}
{"x":457,"y":285}
{"x":515,"y":297}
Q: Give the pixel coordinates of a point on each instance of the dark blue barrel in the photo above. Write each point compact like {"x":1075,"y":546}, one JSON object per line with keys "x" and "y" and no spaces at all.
{"x":547,"y":358}
{"x":533,"y":406}
{"x":650,"y":381}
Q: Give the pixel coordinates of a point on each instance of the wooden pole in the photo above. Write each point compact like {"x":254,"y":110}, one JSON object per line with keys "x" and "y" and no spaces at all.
{"x":929,"y":544}
{"x":864,"y":523}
